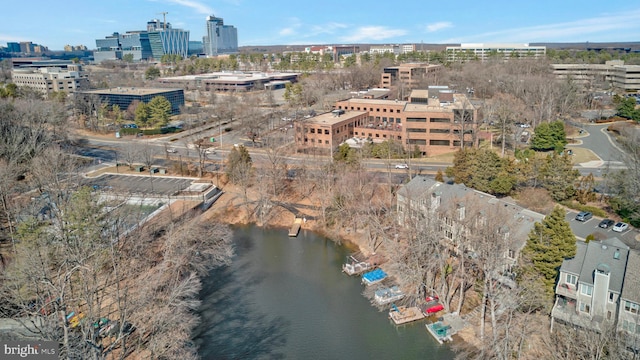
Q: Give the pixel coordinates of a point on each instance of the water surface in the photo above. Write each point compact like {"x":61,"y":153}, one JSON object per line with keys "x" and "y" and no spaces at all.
{"x":286,"y":298}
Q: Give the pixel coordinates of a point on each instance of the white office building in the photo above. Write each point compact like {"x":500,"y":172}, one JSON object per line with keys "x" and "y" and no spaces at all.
{"x":482,"y":52}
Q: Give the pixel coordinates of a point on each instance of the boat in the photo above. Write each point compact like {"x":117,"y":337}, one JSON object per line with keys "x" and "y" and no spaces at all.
{"x":373,"y":277}
{"x":431,"y":306}
{"x":353,"y":266}
{"x":387,"y":295}
{"x":440,"y":331}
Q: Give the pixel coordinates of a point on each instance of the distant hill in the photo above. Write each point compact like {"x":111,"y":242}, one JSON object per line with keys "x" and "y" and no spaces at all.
{"x":596,"y":46}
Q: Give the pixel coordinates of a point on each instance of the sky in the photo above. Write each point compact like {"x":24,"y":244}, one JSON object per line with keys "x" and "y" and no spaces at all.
{"x":297,"y":22}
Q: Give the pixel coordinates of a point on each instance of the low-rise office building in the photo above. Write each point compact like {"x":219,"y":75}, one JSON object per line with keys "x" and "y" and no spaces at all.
{"x":124,"y":96}
{"x":435,"y":121}
{"x":612,"y":74}
{"x":409,"y":75}
{"x":50,"y":79}
{"x":233,"y":81}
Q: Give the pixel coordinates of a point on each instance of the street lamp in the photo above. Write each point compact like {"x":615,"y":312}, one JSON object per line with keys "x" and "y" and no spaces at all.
{"x":116,"y":155}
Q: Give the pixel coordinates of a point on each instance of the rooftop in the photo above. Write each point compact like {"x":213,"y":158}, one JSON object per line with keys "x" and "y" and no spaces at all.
{"x":130,"y":90}
{"x":631,"y":290}
{"x":611,"y":253}
{"x":329,"y":118}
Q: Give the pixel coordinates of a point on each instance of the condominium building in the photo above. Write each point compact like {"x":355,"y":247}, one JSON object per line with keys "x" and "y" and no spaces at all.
{"x":435,"y":121}
{"x":124,"y":96}
{"x":456,"y":212}
{"x":409,"y":76}
{"x":219,"y":38}
{"x":590,"y":285}
{"x":482,"y":52}
{"x":629,"y":312}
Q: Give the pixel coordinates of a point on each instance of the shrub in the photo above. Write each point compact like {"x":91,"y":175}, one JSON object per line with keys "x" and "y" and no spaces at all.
{"x":579,"y":207}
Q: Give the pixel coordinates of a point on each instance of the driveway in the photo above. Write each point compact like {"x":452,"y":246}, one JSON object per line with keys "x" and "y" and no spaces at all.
{"x":583,"y":229}
{"x":598,"y":141}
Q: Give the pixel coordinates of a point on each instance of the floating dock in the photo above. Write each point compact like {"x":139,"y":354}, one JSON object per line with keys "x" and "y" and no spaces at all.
{"x":295,"y":228}
{"x":402,"y":315}
{"x":446,"y":327}
{"x":439,"y":331}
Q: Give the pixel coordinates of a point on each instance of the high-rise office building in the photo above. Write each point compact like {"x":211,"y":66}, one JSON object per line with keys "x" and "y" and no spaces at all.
{"x":159,"y":39}
{"x":220,"y":38}
{"x":164,"y":39}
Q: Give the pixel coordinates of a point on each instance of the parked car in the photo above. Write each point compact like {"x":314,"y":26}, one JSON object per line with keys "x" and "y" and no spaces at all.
{"x":606,"y":223}
{"x":620,"y":227}
{"x":172,"y":150}
{"x":584,"y":216}
{"x":210,"y":151}
{"x":402,"y":166}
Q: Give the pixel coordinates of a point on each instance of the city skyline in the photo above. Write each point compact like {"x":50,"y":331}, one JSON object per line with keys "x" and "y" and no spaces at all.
{"x":329,"y":22}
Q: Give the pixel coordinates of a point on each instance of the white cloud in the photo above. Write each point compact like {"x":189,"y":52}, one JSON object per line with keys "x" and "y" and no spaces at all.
{"x":578,"y":30}
{"x":195,"y":5}
{"x":439,"y":26}
{"x":11,"y":38}
{"x":329,"y":28}
{"x":375,"y":33}
{"x":294,"y":24}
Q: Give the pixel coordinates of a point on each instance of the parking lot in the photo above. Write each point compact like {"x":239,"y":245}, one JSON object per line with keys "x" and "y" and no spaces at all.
{"x":586,"y":228}
{"x":140,"y":184}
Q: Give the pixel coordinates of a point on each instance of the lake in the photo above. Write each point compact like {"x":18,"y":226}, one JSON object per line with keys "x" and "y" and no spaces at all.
{"x":286,"y":298}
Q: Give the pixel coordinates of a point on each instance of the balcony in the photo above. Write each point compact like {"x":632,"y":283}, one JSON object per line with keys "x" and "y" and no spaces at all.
{"x":566,"y":290}
{"x":565,"y":311}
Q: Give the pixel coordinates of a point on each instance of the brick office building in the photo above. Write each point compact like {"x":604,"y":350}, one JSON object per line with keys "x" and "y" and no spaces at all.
{"x":436,"y":121}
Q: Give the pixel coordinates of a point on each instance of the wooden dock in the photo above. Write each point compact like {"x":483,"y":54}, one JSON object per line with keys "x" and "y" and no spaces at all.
{"x":402,"y":314}
{"x":295,"y":228}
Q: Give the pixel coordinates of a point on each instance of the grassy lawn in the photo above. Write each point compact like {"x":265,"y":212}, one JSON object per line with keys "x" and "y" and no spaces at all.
{"x":581,"y":155}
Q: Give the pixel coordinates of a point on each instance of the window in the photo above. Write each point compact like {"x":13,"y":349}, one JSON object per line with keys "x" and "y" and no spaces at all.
{"x":572,"y":279}
{"x":586,"y":289}
{"x":416,"y":119}
{"x":631,"y":307}
{"x":440,"y":120}
{"x":611,"y":297}
{"x":439,"y":142}
{"x":439,"y":131}
{"x":326,"y":132}
{"x":313,"y":131}
{"x":584,"y":307}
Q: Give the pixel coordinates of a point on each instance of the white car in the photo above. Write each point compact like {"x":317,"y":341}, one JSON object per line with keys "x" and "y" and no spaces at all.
{"x":172,"y":150}
{"x":210,"y":151}
{"x":402,"y":166}
{"x":620,"y":227}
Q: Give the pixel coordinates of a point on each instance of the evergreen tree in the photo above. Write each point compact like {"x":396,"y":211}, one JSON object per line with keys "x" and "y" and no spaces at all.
{"x":159,"y":111}
{"x":549,"y":243}
{"x":239,"y":165}
{"x":558,"y":176}
{"x":549,"y":136}
{"x":142,"y":115}
{"x":152,"y":73}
